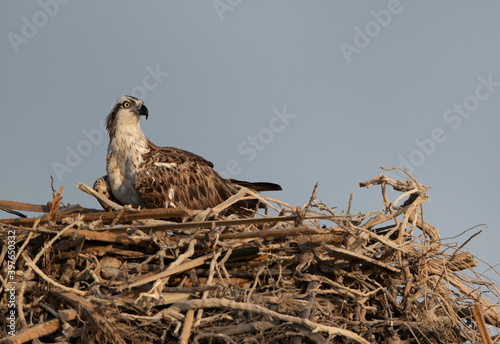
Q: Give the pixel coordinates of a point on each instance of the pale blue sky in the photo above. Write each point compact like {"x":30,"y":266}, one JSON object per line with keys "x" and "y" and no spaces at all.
{"x":293,"y":92}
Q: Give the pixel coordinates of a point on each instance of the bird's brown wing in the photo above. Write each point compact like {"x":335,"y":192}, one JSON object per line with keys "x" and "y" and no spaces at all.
{"x":174,"y":155}
{"x":180,"y":178}
{"x":102,"y":186}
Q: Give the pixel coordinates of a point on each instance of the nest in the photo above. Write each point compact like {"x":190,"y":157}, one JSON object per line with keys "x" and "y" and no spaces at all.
{"x":307,"y":275}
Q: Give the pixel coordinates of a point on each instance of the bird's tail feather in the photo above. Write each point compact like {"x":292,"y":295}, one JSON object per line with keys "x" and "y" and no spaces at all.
{"x":257,"y":186}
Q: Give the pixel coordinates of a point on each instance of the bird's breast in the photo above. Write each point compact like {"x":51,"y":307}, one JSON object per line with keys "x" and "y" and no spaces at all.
{"x":124,"y":160}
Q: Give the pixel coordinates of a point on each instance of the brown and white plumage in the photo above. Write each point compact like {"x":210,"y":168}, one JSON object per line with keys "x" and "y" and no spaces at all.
{"x":142,"y":174}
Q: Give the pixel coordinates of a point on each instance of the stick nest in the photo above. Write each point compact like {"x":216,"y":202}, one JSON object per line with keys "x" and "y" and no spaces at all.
{"x":307,"y":275}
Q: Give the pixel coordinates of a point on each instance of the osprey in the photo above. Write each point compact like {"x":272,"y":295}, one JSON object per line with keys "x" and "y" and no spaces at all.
{"x":144,"y":175}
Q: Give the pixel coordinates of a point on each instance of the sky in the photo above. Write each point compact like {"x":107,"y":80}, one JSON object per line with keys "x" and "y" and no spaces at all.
{"x":292,"y":92}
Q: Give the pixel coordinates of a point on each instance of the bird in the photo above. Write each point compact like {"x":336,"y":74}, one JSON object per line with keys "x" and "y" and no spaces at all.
{"x":141,"y":174}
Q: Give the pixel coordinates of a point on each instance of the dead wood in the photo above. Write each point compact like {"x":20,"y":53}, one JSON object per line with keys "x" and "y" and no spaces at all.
{"x":304,"y":275}
{"x":106,"y":217}
{"x":22,"y":206}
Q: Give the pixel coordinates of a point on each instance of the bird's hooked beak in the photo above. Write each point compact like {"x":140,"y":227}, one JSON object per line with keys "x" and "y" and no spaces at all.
{"x":143,"y":111}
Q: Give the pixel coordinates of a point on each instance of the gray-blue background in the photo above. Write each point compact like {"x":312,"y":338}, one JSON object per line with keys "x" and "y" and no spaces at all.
{"x":364,"y":83}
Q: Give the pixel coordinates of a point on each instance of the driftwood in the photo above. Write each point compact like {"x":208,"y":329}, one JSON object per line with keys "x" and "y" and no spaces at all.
{"x":305,"y":275}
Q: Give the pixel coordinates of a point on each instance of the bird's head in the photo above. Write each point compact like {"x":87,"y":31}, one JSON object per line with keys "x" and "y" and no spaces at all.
{"x":126,"y":112}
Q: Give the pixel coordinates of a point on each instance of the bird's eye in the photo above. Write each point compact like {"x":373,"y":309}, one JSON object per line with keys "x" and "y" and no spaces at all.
{"x":126,"y":105}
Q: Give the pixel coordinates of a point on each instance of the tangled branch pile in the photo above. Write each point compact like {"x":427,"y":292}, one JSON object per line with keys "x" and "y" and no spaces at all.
{"x":308,"y":275}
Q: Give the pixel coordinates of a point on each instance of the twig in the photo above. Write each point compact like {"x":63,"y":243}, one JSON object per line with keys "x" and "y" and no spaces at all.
{"x":213,"y":335}
{"x":209,"y":281}
{"x":14,"y":212}
{"x":252,"y":308}
{"x":117,"y":217}
{"x":465,"y":231}
{"x":183,"y":257}
{"x":100,"y":197}
{"x":186,"y":329}
{"x":52,"y":187}
{"x":311,"y":199}
{"x":181,"y":268}
{"x":396,"y":201}
{"x":306,"y":313}
{"x":108,"y":217}
{"x":401,"y":169}
{"x":54,"y":205}
{"x":349,"y":205}
{"x":260,"y":326}
{"x":274,"y":233}
{"x":477,"y":311}
{"x":190,"y":290}
{"x":46,"y":278}
{"x":248,"y":297}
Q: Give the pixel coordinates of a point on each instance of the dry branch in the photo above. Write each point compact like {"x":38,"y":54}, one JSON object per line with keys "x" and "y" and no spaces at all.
{"x":479,"y":317}
{"x":12,"y":205}
{"x":108,"y":217}
{"x":240,"y":306}
{"x":175,"y":270}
